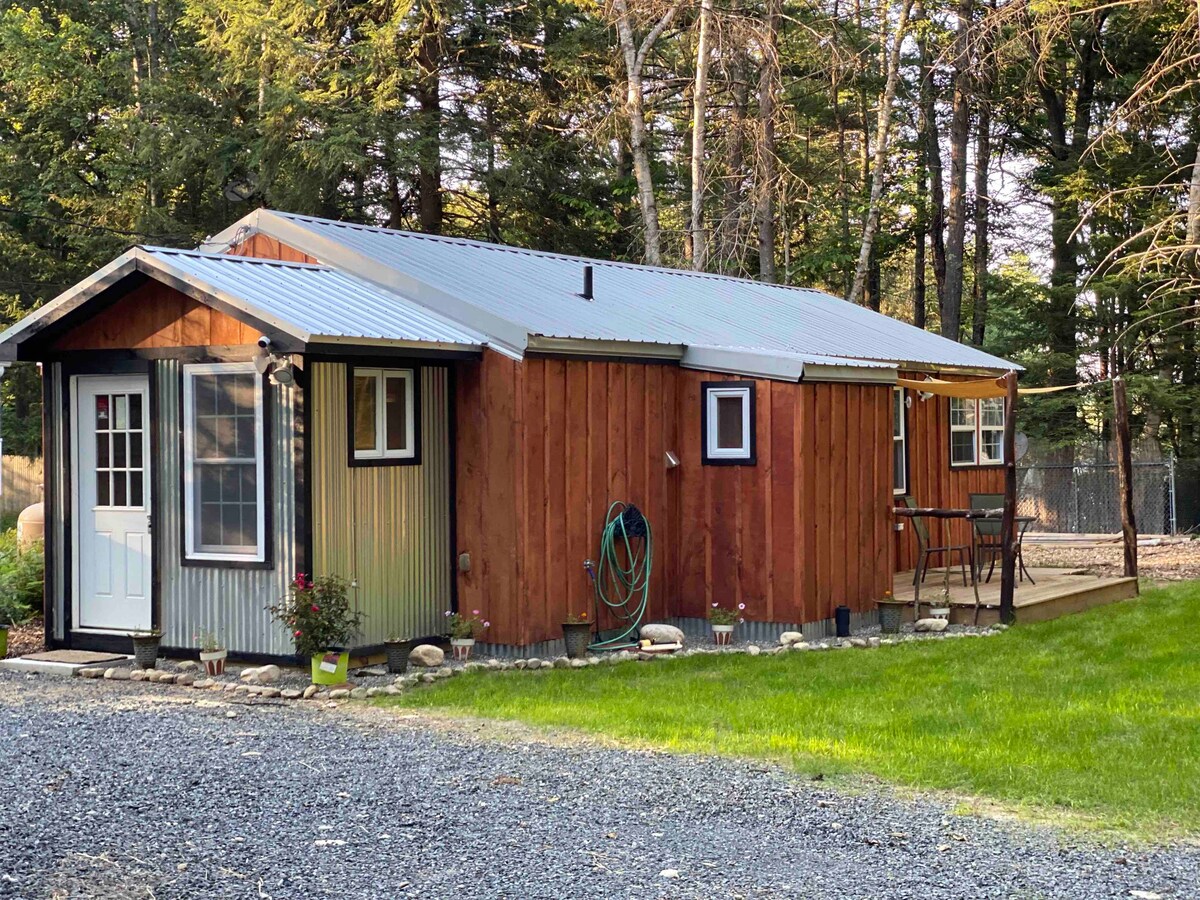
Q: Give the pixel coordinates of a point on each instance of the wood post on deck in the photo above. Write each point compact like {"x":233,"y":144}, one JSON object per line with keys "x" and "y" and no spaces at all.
{"x":1125,"y":475}
{"x":1008,"y":522}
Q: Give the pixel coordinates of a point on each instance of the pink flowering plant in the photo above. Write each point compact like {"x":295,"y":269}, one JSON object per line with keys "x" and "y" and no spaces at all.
{"x":463,"y":626}
{"x":719,"y":615}
{"x":318,"y":614}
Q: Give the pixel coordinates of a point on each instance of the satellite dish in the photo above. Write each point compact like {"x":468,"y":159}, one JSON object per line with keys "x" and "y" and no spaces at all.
{"x":1022,"y":443}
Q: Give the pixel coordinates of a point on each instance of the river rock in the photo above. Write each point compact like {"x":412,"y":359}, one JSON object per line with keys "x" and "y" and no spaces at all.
{"x":427,"y":655}
{"x":790,"y":637}
{"x":660,"y":633}
{"x":930,"y":625}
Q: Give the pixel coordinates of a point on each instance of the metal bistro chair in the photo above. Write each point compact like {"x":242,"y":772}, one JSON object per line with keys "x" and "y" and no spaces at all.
{"x":926,"y":551}
{"x":986,"y":534}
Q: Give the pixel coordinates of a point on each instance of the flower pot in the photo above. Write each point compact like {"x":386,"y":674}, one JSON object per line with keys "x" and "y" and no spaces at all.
{"x":577,"y":636}
{"x":330,"y":667}
{"x":462,"y":647}
{"x":3,"y":641}
{"x":145,"y":649}
{"x":723,"y":634}
{"x":214,"y":661}
{"x":891,"y":612}
{"x":397,"y":656}
{"x":940,"y":612}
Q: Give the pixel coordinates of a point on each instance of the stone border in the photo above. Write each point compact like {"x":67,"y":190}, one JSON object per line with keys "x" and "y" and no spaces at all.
{"x":257,"y":681}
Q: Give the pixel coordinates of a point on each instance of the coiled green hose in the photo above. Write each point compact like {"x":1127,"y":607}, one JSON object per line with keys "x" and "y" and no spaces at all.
{"x":622,"y":578}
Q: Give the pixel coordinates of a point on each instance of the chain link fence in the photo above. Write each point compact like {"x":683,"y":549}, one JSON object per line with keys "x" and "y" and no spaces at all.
{"x":1083,"y":498}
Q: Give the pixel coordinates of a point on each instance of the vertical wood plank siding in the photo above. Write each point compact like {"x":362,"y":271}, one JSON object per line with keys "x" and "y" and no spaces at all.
{"x":386,"y":528}
{"x":154,"y":315}
{"x":931,"y":479}
{"x":545,"y":446}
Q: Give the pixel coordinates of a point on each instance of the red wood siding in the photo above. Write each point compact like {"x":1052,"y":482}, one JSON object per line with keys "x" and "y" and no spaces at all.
{"x":931,"y":480}
{"x":545,"y":446}
{"x":155,"y":315}
{"x":264,"y":247}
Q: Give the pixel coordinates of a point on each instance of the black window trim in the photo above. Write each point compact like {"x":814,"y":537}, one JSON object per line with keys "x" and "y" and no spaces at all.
{"x":705,"y":387}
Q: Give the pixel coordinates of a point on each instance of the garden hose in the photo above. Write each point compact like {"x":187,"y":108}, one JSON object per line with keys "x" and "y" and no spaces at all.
{"x":622,"y":578}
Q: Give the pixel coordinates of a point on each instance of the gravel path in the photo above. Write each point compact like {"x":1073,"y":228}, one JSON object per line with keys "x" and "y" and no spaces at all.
{"x":115,"y":790}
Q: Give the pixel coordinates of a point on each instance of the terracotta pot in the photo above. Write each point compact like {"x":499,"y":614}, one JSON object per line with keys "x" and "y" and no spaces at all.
{"x":723,"y":635}
{"x":214,"y":661}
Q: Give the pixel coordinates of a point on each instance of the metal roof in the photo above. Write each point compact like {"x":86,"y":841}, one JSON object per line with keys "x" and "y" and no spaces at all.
{"x":512,"y":294}
{"x":312,"y":303}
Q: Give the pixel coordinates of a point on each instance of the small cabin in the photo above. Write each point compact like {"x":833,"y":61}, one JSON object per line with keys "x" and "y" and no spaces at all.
{"x":445,"y":424}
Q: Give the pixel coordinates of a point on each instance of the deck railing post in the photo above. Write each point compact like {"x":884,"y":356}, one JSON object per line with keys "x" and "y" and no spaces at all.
{"x":1008,"y":522}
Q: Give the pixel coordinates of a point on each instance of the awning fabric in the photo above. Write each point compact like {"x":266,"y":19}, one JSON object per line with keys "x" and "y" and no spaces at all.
{"x":981,"y":389}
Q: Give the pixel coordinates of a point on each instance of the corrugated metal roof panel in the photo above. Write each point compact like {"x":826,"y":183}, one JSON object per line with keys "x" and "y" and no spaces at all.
{"x":541,"y":292}
{"x":319,"y":300}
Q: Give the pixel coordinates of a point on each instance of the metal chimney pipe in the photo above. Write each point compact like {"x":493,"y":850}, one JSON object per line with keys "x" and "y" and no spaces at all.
{"x":587,"y":283}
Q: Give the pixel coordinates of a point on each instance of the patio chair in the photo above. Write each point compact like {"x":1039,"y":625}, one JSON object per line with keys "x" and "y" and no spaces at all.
{"x":926,"y":551}
{"x":986,"y":535}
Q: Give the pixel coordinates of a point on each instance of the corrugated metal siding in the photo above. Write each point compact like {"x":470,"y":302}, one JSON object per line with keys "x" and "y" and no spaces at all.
{"x":386,"y":528}
{"x":230,"y":601}
{"x":58,"y":488}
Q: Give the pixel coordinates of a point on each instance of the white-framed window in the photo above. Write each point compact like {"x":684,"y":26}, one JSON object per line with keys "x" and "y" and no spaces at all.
{"x":384,"y":414}
{"x":899,"y":443}
{"x":728,"y":415}
{"x":224,"y":474}
{"x":976,"y":431}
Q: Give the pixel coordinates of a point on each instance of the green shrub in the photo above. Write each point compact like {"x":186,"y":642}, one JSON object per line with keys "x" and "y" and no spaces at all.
{"x":20,"y":579}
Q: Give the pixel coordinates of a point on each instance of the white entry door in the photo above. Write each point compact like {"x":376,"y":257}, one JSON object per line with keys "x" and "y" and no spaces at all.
{"x":112,"y":502}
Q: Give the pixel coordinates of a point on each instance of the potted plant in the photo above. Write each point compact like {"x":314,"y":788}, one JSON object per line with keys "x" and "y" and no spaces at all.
{"x":723,"y":622}
{"x":397,"y":650}
{"x":577,"y":634}
{"x":941,"y":607}
{"x":212,"y":653}
{"x":145,"y":647}
{"x":319,"y":616}
{"x":463,"y":629}
{"x":890,"y":613}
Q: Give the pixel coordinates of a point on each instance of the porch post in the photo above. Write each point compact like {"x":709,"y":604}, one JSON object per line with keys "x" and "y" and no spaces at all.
{"x":1008,"y":557}
{"x":1125,"y":475}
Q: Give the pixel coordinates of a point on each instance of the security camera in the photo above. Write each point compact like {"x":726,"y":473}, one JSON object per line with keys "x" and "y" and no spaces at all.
{"x":264,"y":341}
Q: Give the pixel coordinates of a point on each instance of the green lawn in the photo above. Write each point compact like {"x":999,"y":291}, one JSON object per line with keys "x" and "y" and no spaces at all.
{"x":1093,"y":719}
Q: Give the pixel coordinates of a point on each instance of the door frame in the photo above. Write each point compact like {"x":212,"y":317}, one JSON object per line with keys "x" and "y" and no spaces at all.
{"x":98,"y":363}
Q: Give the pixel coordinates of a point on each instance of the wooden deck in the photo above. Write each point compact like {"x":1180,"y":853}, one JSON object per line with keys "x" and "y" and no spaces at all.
{"x":1058,"y":592}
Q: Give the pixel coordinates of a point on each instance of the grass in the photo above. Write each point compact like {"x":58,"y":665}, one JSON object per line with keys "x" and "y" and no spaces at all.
{"x":1090,"y":720}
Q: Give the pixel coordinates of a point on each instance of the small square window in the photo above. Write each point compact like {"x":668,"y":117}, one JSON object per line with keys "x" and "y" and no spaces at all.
{"x":728,"y":423}
{"x":384,"y":414}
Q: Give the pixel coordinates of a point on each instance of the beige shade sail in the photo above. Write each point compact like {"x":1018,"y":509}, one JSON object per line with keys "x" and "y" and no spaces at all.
{"x":981,"y":389}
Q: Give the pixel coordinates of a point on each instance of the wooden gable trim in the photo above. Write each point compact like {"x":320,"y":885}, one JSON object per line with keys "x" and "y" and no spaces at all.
{"x":153,"y":316}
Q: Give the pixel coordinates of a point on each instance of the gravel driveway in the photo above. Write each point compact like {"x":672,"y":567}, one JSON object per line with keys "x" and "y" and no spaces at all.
{"x":119,"y":790}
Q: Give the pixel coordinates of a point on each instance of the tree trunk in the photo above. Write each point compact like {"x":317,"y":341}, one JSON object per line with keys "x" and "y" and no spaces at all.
{"x":767,"y":93}
{"x":729,"y":226}
{"x":983,"y":162}
{"x":932,"y":148}
{"x":634,"y":56}
{"x":699,"y":103}
{"x":429,"y":117}
{"x":879,"y":171}
{"x":956,"y":219}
